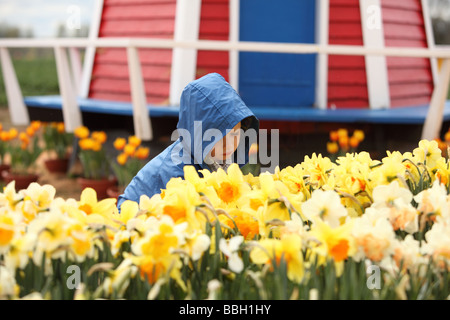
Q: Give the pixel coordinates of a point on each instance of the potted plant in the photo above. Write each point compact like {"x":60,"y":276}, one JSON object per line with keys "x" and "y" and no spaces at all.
{"x":24,"y":150}
{"x":96,"y":167}
{"x":129,"y":161}
{"x":5,"y":137}
{"x":57,"y":145}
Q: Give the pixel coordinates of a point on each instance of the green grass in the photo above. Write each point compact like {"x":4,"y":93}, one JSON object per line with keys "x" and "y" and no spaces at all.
{"x":36,"y":77}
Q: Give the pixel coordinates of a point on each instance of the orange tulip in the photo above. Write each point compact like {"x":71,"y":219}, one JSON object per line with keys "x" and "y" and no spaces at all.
{"x":82,"y":132}
{"x":99,"y":136}
{"x":142,"y":152}
{"x":134,"y":141}
{"x":119,"y":143}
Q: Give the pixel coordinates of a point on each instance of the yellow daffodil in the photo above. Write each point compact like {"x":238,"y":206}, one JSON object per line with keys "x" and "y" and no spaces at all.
{"x":230,"y":185}
{"x":289,"y":248}
{"x":335,"y":242}
{"x":428,"y":153}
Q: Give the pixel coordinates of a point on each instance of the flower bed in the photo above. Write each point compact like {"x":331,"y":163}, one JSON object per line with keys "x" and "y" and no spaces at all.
{"x":356,"y":228}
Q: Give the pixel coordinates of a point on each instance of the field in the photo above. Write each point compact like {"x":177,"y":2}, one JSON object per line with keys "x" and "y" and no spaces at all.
{"x":36,"y":77}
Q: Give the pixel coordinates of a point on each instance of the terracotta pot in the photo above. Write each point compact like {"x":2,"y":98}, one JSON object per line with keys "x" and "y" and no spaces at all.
{"x":4,"y":167}
{"x":22,"y":180}
{"x":114,"y":192}
{"x":99,"y":185}
{"x":57,"y":165}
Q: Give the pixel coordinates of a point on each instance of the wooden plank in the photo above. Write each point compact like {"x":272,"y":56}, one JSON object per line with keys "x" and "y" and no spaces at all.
{"x":405,"y":62}
{"x":410,"y":101}
{"x":17,"y":109}
{"x":412,"y":5}
{"x":136,"y":2}
{"x":121,"y":97}
{"x":434,"y":119}
{"x":409,"y":43}
{"x":71,"y":112}
{"x":347,"y":80}
{"x":344,"y":3}
{"x":145,"y":11}
{"x":348,"y":29}
{"x":141,"y":119}
{"x":348,"y":91}
{"x":410,"y":75}
{"x":131,"y":28}
{"x":404,"y":31}
{"x":158,"y":73}
{"x":341,"y":61}
{"x":213,"y":27}
{"x":146,"y":56}
{"x":347,"y":41}
{"x":211,"y":10}
{"x":353,"y":103}
{"x":403,"y":90}
{"x":159,"y":88}
{"x":213,"y":58}
{"x":202,"y":71}
{"x":344,"y":14}
{"x":391,"y":15}
{"x":347,"y":76}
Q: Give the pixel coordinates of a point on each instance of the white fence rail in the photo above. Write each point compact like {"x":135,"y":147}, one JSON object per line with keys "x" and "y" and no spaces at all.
{"x":142,"y":124}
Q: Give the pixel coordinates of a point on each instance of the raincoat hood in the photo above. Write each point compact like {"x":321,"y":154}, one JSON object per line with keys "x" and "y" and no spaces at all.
{"x":207,"y":103}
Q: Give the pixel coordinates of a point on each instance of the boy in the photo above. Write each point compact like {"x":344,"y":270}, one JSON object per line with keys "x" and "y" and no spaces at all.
{"x":209,"y":108}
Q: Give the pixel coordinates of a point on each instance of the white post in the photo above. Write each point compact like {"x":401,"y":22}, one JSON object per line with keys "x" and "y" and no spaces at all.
{"x":376,"y":66}
{"x":234,"y":37}
{"x":433,"y":122}
{"x":75,"y":63}
{"x":71,"y":111}
{"x":430,"y":38}
{"x":141,"y":117}
{"x":17,"y":109}
{"x":322,"y":33}
{"x":90,"y":51}
{"x":184,"y":61}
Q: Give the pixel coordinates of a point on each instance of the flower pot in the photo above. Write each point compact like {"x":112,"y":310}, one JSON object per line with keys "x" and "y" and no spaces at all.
{"x":57,"y":165}
{"x":22,"y":180}
{"x":4,"y":167}
{"x":114,"y":192}
{"x":99,"y":185}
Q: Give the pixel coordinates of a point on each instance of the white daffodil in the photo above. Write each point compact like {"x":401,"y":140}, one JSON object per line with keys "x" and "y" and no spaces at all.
{"x":385,"y":195}
{"x":7,"y":283}
{"x":433,"y":200}
{"x":230,"y":250}
{"x":325,"y":204}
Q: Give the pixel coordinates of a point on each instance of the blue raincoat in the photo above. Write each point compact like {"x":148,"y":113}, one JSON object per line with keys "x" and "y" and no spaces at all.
{"x":211,"y":100}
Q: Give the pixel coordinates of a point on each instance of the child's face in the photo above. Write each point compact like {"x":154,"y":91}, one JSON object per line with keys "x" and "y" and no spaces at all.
{"x":223,"y":149}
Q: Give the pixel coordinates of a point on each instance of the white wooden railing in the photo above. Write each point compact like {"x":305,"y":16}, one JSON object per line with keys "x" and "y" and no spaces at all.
{"x":142,"y":124}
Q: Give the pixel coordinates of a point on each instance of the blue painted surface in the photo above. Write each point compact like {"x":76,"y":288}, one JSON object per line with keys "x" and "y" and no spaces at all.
{"x":404,"y":115}
{"x":276,"y":79}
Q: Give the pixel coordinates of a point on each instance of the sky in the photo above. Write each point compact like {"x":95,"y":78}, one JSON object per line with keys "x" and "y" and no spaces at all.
{"x":43,"y":16}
